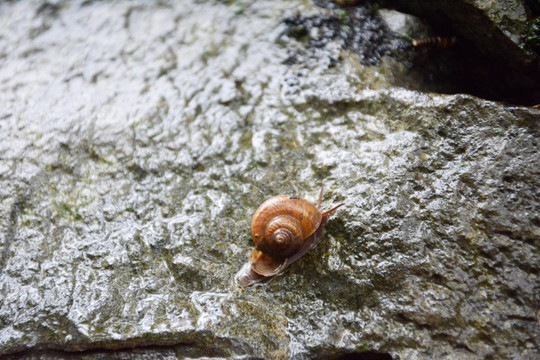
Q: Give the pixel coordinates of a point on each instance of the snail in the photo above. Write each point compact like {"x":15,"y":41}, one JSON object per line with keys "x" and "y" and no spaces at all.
{"x":284,"y":228}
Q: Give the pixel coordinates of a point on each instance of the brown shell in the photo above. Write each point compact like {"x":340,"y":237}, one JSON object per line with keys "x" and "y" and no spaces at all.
{"x":300,"y":209}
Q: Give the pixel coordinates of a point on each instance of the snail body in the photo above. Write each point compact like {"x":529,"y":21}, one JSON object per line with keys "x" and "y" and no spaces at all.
{"x":284,"y":228}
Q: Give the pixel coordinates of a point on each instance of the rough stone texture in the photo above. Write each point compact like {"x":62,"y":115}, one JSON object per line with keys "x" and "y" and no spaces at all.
{"x":137,"y":139}
{"x":509,"y":16}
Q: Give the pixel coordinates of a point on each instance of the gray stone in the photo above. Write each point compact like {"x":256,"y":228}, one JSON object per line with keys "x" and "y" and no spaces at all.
{"x":137,"y":139}
{"x":404,"y":24}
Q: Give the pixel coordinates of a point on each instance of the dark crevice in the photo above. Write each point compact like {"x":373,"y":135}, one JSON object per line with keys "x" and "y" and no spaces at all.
{"x":183,"y":350}
{"x":487,"y":66}
{"x":484,"y":62}
{"x":365,"y":355}
{"x":194,"y":344}
{"x":324,"y":354}
{"x":464,"y":69}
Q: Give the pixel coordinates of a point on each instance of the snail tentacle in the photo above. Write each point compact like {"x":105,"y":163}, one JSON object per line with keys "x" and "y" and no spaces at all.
{"x":328,"y":212}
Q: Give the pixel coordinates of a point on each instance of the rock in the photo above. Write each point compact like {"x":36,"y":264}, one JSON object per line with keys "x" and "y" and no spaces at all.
{"x":405,"y":25}
{"x":137,"y":140}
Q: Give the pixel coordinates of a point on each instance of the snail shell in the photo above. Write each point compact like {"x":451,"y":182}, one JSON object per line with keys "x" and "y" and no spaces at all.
{"x":284,"y":228}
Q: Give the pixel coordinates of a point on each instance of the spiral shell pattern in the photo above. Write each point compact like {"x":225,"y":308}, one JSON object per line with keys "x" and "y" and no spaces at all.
{"x":284,"y":237}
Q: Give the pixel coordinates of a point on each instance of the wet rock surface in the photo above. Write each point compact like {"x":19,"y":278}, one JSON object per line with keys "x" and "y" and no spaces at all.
{"x":137,"y":139}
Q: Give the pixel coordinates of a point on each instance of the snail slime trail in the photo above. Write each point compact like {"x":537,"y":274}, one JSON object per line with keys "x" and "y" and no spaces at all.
{"x":284,"y":228}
